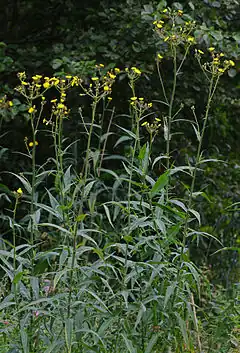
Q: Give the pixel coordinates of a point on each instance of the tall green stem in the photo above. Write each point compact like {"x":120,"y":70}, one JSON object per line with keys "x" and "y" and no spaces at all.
{"x":94,"y":107}
{"x":15,"y":285}
{"x":169,"y":121}
{"x":32,"y":206}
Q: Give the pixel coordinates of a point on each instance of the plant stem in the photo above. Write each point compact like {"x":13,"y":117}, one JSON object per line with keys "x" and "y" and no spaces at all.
{"x":169,"y":120}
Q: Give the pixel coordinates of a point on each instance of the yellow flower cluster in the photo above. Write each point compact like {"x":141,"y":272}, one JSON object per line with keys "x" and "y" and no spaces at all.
{"x":217,"y":66}
{"x":31,"y":144}
{"x":173,"y":31}
{"x":4,"y":103}
{"x":32,"y":88}
{"x":152,"y":128}
{"x":139,"y":104}
{"x":101,"y":85}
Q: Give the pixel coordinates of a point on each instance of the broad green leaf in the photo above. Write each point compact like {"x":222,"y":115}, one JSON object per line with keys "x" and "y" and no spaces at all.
{"x":17,"y":277}
{"x":169,"y":292}
{"x":81,"y":217}
{"x":108,"y":215}
{"x":24,"y":339}
{"x":160,"y":184}
{"x":196,"y":215}
{"x":55,"y":226}
{"x":183,"y":328}
{"x":69,"y":333}
{"x":24,"y":182}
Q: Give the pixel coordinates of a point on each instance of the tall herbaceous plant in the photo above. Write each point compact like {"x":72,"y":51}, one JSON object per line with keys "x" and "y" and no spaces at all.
{"x":100,"y":261}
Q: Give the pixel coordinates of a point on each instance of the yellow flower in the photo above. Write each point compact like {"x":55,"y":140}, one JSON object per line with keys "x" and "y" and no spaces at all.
{"x":145,"y":123}
{"x":106,"y":88}
{"x":54,"y":100}
{"x":101,"y":65}
{"x":55,"y":81}
{"x":157,"y":119}
{"x":43,"y":98}
{"x":112,"y":76}
{"x":180,"y":12}
{"x":190,"y":39}
{"x":221,"y":54}
{"x":31,"y":110}
{"x":221,"y":70}
{"x":69,"y":76}
{"x":19,"y":191}
{"x":31,"y":144}
{"x":46,"y":84}
{"x":200,"y":52}
{"x":149,"y":105}
{"x":165,"y":10}
{"x":166,"y":39}
{"x":211,"y":49}
{"x":137,"y":71}
{"x":160,"y":57}
{"x":232,"y":63}
{"x":75,"y":81}
{"x":159,"y":25}
{"x":109,"y":98}
{"x":133,"y":98}
{"x":24,"y":83}
{"x":117,"y":70}
{"x":61,"y":106}
{"x":95,"y":78}
{"x":10,"y":103}
{"x":141,"y":99}
{"x":38,"y":86}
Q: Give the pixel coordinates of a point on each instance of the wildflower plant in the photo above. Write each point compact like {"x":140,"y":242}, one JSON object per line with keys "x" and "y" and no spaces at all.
{"x":106,"y":267}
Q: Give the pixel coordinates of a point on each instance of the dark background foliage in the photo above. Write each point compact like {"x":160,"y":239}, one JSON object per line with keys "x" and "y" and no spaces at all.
{"x":70,"y":36}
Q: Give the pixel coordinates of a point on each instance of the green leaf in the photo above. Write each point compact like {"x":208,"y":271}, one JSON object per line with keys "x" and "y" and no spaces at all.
{"x":160,"y":183}
{"x":24,"y":181}
{"x":69,"y":333}
{"x":88,"y":188}
{"x":55,"y":226}
{"x":196,"y":214}
{"x":24,"y":339}
{"x":81,"y":217}
{"x":169,"y":292}
{"x":183,"y":328}
{"x":17,"y":277}
{"x":108,"y":215}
